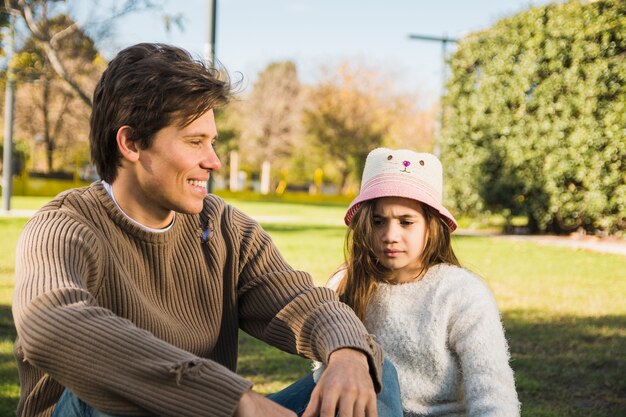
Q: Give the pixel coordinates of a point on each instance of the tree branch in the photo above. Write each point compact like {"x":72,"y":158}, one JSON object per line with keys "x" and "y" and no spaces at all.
{"x":51,"y":52}
{"x":54,"y":39}
{"x":58,"y":67}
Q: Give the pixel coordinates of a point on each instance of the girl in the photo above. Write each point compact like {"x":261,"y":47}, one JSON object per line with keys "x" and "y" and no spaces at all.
{"x":437,"y":322}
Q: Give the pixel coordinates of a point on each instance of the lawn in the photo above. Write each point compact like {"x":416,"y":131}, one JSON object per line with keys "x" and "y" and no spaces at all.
{"x":563,"y":310}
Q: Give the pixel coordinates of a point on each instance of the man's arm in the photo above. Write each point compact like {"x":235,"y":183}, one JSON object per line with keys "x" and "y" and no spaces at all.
{"x":282,"y":307}
{"x":106,"y":354}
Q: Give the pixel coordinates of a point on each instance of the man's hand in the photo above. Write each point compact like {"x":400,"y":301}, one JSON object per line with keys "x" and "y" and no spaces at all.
{"x":345,"y":386}
{"x":253,"y":404}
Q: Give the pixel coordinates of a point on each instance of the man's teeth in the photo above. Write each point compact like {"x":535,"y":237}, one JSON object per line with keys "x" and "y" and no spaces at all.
{"x":197,"y":183}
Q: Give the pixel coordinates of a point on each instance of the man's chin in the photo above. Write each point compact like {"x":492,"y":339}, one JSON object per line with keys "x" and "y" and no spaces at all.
{"x":191,"y":209}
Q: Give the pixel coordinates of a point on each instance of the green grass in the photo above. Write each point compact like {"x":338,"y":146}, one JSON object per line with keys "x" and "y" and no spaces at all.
{"x":9,"y":381}
{"x":28,"y":203}
{"x":563,"y":310}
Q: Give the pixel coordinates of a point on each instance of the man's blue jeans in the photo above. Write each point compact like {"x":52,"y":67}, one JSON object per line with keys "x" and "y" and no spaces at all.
{"x":295,"y":397}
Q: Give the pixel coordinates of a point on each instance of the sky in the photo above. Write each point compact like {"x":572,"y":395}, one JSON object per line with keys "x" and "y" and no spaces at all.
{"x":250,"y":34}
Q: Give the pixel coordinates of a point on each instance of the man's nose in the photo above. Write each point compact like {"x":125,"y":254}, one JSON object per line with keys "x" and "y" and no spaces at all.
{"x":211,"y":161}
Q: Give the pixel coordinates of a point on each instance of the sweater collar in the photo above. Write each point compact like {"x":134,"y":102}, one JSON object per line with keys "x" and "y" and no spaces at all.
{"x":430,"y":274}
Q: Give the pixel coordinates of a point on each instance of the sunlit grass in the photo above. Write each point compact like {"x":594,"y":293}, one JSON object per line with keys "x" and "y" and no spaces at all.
{"x":563,"y":310}
{"x":28,"y":203}
{"x":555,"y":281}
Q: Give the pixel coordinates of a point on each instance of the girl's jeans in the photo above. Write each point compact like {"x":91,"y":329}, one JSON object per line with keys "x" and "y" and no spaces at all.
{"x":295,"y":397}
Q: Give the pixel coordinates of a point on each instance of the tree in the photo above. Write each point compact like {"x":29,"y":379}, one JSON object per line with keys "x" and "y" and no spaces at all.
{"x":47,"y":110}
{"x":227,"y":144}
{"x":37,"y":16}
{"x":348,"y":114}
{"x":270,"y":118}
{"x":57,"y":67}
{"x":536,"y":118}
{"x":412,"y":127}
{"x":48,"y":37}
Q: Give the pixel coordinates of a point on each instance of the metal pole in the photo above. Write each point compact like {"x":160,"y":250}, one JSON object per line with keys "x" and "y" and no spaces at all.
{"x":210,"y":56}
{"x":442,"y":111}
{"x":212,"y":30}
{"x":444,"y":40}
{"x":9,"y":104}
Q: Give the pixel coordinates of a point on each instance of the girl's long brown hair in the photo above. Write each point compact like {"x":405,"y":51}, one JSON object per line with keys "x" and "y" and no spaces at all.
{"x":364,"y":271}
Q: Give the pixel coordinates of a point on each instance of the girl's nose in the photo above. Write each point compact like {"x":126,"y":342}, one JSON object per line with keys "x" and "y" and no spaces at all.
{"x":391,"y":233}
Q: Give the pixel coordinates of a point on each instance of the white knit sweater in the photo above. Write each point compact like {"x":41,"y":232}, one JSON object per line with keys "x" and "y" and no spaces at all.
{"x":443,"y":333}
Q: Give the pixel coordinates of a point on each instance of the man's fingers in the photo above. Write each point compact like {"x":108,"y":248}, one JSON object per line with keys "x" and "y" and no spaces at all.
{"x":345,"y":386}
{"x":371,"y":409}
{"x":329,"y":400}
{"x":349,"y":402}
{"x":312,"y":409}
{"x":360,"y":406}
{"x":347,"y":408}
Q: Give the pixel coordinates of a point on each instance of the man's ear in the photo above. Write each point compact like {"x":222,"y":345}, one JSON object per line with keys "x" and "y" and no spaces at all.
{"x":127,"y":146}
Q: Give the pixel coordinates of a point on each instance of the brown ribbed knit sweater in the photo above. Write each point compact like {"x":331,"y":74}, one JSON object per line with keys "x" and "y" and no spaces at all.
{"x":142,"y":323}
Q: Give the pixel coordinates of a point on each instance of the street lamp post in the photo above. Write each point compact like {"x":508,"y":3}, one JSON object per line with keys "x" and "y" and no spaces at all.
{"x":210,"y":46}
{"x":9,"y":104}
{"x":444,"y":40}
{"x":210,"y":56}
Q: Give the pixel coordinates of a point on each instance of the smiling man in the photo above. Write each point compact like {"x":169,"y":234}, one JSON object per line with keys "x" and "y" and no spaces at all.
{"x":130,"y":292}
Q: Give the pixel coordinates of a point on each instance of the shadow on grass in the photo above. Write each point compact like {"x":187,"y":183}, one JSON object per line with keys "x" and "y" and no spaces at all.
{"x":568,"y":366}
{"x":269,"y":368}
{"x":9,"y":385}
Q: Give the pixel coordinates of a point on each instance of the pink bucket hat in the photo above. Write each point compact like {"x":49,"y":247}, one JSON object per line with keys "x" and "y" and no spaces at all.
{"x":402,"y":173}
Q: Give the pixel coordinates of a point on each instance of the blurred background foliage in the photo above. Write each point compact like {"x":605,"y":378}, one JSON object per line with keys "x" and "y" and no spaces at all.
{"x":532,"y":126}
{"x":535,"y":118}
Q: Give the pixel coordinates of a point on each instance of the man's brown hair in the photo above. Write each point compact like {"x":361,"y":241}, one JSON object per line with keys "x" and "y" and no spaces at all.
{"x":147,"y":87}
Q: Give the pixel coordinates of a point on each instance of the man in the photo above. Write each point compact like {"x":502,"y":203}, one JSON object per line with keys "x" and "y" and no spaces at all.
{"x":130,"y":292}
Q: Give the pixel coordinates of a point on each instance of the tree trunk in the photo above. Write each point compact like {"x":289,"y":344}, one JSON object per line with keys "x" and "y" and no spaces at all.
{"x":265,"y":177}
{"x":47,"y":138}
{"x":344,"y":181}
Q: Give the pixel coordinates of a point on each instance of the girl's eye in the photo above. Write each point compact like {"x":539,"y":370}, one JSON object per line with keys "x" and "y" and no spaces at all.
{"x":378,"y":222}
{"x":406,"y":222}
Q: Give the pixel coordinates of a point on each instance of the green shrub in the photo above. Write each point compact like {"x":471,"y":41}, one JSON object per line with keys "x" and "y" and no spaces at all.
{"x":535,"y":117}
{"x":43,"y":187}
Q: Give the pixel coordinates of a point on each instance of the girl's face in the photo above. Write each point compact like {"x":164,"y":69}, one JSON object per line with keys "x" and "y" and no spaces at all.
{"x":400,"y":233}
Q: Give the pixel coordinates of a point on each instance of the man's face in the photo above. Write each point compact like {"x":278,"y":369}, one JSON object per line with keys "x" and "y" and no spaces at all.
{"x":172,"y":173}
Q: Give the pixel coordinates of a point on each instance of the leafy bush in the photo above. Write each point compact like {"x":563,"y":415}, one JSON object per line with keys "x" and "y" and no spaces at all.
{"x":536,"y":115}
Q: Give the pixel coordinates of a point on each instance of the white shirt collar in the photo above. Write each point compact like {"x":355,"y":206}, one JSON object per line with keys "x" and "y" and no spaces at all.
{"x":109,"y":190}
